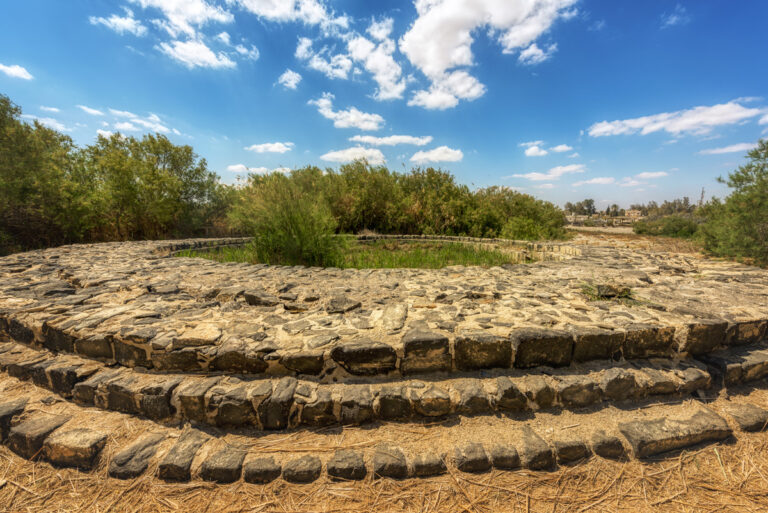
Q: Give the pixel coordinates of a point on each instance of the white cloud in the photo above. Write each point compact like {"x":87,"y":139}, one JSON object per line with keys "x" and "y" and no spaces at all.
{"x":242,"y":168}
{"x":698,"y":120}
{"x":49,"y":109}
{"x":649,"y":175}
{"x":733,"y":148}
{"x":49,"y":122}
{"x":196,"y":54}
{"x":336,"y":66}
{"x":535,"y":55}
{"x":535,"y":151}
{"x":377,"y":59}
{"x":224,"y":38}
{"x":560,"y":148}
{"x":121,"y":24}
{"x":251,"y":53}
{"x":350,"y":118}
{"x":289,"y":79}
{"x":372,"y":155}
{"x":88,"y":110}
{"x":544,"y":186}
{"x":679,"y":16}
{"x":531,"y":143}
{"x":183,"y":16}
{"x":439,"y":154}
{"x":16,"y":71}
{"x":630,"y":182}
{"x":275,"y":147}
{"x":574,"y":155}
{"x":122,"y":113}
{"x":104,"y":133}
{"x":603,"y":180}
{"x":126,"y":126}
{"x":311,"y":12}
{"x":152,"y":123}
{"x":553,"y":174}
{"x":440,"y":40}
{"x":764,"y":120}
{"x":391,"y":140}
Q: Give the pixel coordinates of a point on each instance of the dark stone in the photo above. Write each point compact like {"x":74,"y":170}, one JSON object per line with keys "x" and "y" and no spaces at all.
{"x":480,"y":350}
{"x":261,"y":470}
{"x":505,"y":457}
{"x":693,"y":379}
{"x":595,"y":344}
{"x":260,"y":298}
{"x":534,"y":347}
{"x":577,"y":391}
{"x":85,"y":391}
{"x":471,"y":457}
{"x":645,"y":341}
{"x":364,"y":357}
{"x":535,"y":453}
{"x":425,"y":351}
{"x":569,"y":449}
{"x":356,"y":404}
{"x":508,"y":396}
{"x":77,"y":448}
{"x":179,"y":360}
{"x":342,"y":304}
{"x":426,"y":464}
{"x":64,"y":376}
{"x":305,"y":362}
{"x":273,"y":411}
{"x":657,"y":382}
{"x":122,"y":393}
{"x":746,"y":332}
{"x":155,"y":398}
{"x":433,"y":402}
{"x":133,"y":460}
{"x":131,"y":356}
{"x":302,"y":470}
{"x":237,"y":356}
{"x":704,"y":336}
{"x":389,"y":461}
{"x":19,"y":332}
{"x":320,"y":411}
{"x":223,"y":466}
{"x":190,"y":395}
{"x":472,"y":398}
{"x":177,"y":463}
{"x":747,"y":416}
{"x":347,"y":464}
{"x":538,"y":391}
{"x":26,"y":438}
{"x":393,"y":403}
{"x":607,"y":446}
{"x":230,"y":406}
{"x":7,"y":412}
{"x":651,"y":437}
{"x":618,"y":384}
{"x":57,"y":340}
{"x":97,"y":346}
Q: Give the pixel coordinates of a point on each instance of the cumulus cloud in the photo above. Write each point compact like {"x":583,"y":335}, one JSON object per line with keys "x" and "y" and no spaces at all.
{"x":698,"y":121}
{"x":733,"y":148}
{"x":122,"y":113}
{"x":391,"y":140}
{"x":377,"y":59}
{"x":185,"y":16}
{"x":275,"y":147}
{"x":289,"y":79}
{"x":441,"y":38}
{"x":535,"y":55}
{"x":439,"y":154}
{"x":126,"y":126}
{"x":560,"y":148}
{"x":372,"y":155}
{"x":121,"y":24}
{"x":88,"y":110}
{"x":349,"y":118}
{"x":535,"y":151}
{"x":104,"y":133}
{"x":49,"y":122}
{"x":602,"y":180}
{"x":332,"y":66}
{"x":311,"y":12}
{"x":553,"y":174}
{"x":16,"y":71}
{"x":193,"y":54}
{"x":679,"y":16}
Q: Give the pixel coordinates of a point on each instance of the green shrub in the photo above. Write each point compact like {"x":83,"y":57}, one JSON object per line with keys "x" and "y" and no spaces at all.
{"x":290,"y":226}
{"x":681,"y":226}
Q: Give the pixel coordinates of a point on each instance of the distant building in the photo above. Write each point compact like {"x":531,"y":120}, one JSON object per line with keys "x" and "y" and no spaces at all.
{"x":635,"y":214}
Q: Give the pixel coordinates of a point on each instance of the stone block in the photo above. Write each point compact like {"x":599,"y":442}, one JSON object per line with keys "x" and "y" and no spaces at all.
{"x":538,"y":391}
{"x":392,"y":403}
{"x":320,"y":411}
{"x":471,"y":397}
{"x":79,"y":448}
{"x":26,"y":438}
{"x":481,"y":350}
{"x":261,"y":470}
{"x":273,"y":412}
{"x":607,"y":446}
{"x":504,"y":457}
{"x":347,"y":464}
{"x":223,"y":466}
{"x":356,"y":404}
{"x":534,"y":347}
{"x":425,"y":351}
{"x":432,"y":402}
{"x":746,"y":332}
{"x":647,"y":341}
{"x":96,"y":346}
{"x":228,"y":405}
{"x":190,"y":397}
{"x":364,"y":357}
{"x":596,"y":344}
{"x":535,"y":453}
{"x":389,"y":461}
{"x":304,"y":362}
{"x":8,"y":411}
{"x":618,"y":384}
{"x":260,"y":298}
{"x":508,"y":396}
{"x":427,"y":464}
{"x":569,"y":448}
{"x":471,"y":457}
{"x":703,"y":337}
{"x":577,"y":391}
{"x":131,"y":355}
{"x":133,"y":461}
{"x":747,"y":416}
{"x":238,"y":356}
{"x":176,"y":465}
{"x":305,"y":469}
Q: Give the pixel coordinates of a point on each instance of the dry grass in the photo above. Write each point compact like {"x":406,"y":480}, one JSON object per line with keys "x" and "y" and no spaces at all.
{"x":715,"y":478}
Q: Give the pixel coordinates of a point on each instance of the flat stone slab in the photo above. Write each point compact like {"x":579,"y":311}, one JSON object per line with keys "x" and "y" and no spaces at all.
{"x":607,"y":445}
{"x":7,"y":412}
{"x":176,"y":465}
{"x":261,"y":470}
{"x":223,"y":466}
{"x":26,"y":438}
{"x":79,"y":448}
{"x":305,"y":469}
{"x":347,"y":464}
{"x":535,"y":453}
{"x":471,"y":457}
{"x":747,"y":416}
{"x":389,"y":461}
{"x":654,"y":436}
{"x":133,"y":460}
{"x":427,"y":464}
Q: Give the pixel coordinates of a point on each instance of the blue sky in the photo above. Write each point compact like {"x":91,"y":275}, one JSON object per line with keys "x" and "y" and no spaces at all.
{"x":620,"y":101}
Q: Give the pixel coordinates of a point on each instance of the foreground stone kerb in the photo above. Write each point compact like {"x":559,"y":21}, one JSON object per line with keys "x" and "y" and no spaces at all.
{"x":134,"y":304}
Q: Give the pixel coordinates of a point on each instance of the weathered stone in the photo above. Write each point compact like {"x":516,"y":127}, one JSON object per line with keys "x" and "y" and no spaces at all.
{"x":471,"y":457}
{"x":654,"y":436}
{"x":223,"y":466}
{"x":66,"y":373}
{"x":304,"y":362}
{"x":57,"y":340}
{"x":595,"y":344}
{"x":747,"y":416}
{"x":19,"y":332}
{"x":577,"y":391}
{"x":190,"y":396}
{"x":656,"y":382}
{"x":364,"y":357}
{"x":7,"y":412}
{"x":538,"y":391}
{"x":433,"y":402}
{"x":182,"y":360}
{"x":693,"y":379}
{"x":260,"y":298}
{"x":133,"y":460}
{"x":480,"y":350}
{"x":392,"y":403}
{"x":704,"y":336}
{"x":176,"y":465}
{"x":86,"y":391}
{"x":320,"y":411}
{"x":534,"y":452}
{"x":230,"y":405}
{"x":356,"y":404}
{"x":618,"y":384}
{"x":96,"y":346}
{"x":508,"y":395}
{"x":130,"y":355}
{"x":427,"y":464}
{"x":347,"y":464}
{"x":205,"y":334}
{"x":302,"y":470}
{"x":504,"y":457}
{"x":569,"y":448}
{"x":425,"y":351}
{"x":389,"y":461}
{"x":472,"y":399}
{"x":77,"y":448}
{"x":746,"y":332}
{"x":26,"y":438}
{"x":607,"y":446}
{"x":261,"y":470}
{"x":342,"y":304}
{"x":534,"y":347}
{"x":238,"y":356}
{"x":645,"y":341}
{"x":273,"y":412}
